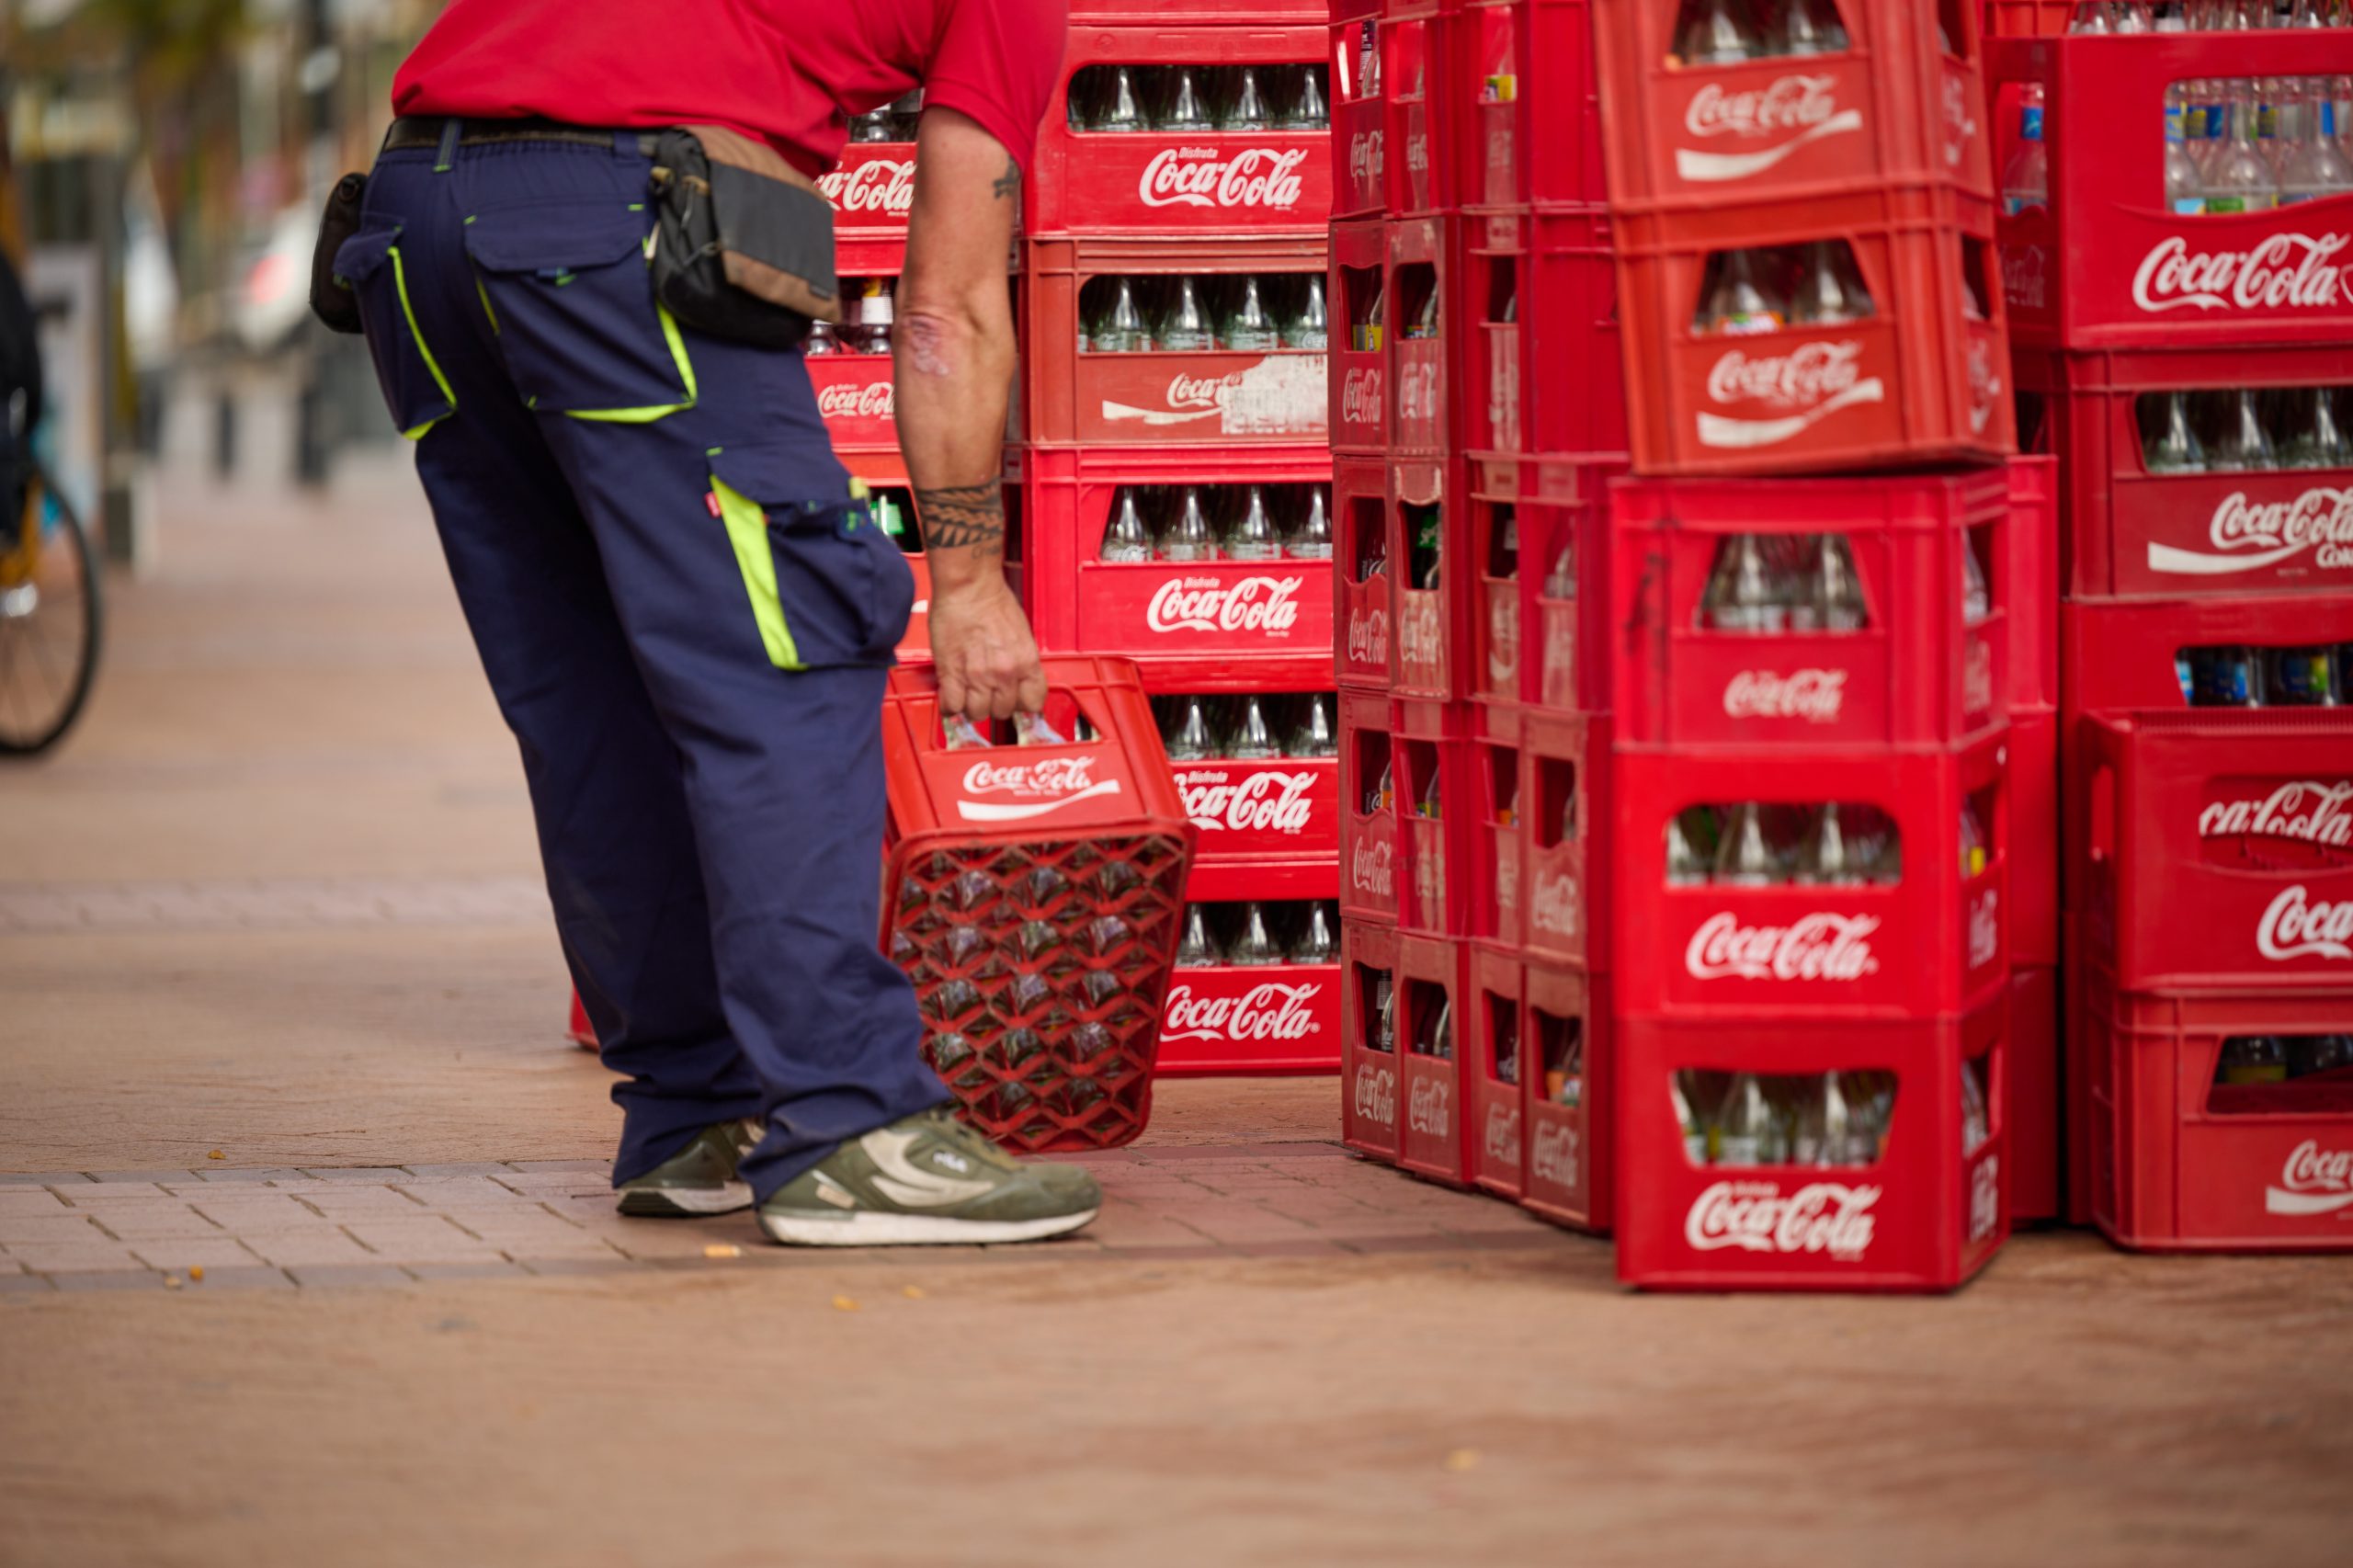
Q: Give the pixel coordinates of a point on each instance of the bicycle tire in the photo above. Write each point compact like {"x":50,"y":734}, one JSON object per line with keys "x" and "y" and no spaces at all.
{"x":69,"y":532}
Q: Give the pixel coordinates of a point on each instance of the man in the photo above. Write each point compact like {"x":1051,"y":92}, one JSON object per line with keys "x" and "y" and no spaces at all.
{"x":684,"y":611}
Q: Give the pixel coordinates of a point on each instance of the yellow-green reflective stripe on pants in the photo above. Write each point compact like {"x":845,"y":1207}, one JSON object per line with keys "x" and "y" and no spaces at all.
{"x":747,"y":530}
{"x":400,"y":286}
{"x":652,"y":411}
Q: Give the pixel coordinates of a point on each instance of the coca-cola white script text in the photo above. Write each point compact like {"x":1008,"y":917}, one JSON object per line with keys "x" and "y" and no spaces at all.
{"x":1814,"y":947}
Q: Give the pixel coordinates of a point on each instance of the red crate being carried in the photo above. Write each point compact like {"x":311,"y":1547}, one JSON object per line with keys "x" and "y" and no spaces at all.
{"x":1538,"y":352}
{"x":2246,"y":819}
{"x":1831,"y":613}
{"x":1524,"y":103}
{"x":1899,"y":100}
{"x":1369,"y":1032}
{"x":1034,"y":894}
{"x":1754,"y":909}
{"x":1159,"y":178}
{"x":1566,"y":846}
{"x":1433,"y":1020}
{"x":2104,"y":259}
{"x":2221,"y":1121}
{"x":1087,"y":379}
{"x":1202,"y":625}
{"x":1737,"y":1169}
{"x":1493,"y":1148}
{"x":1368,"y":857}
{"x":1725,"y":375}
{"x":1569,"y":1072}
{"x":2148,"y":514}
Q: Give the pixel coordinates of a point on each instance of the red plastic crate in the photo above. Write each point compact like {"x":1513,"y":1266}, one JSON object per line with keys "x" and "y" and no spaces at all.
{"x":2132,"y":533}
{"x":1220,"y":610}
{"x":1360,"y":610}
{"x":2246,"y":818}
{"x":1433,"y":853}
{"x":1268,"y":829}
{"x":1572,"y":1166}
{"x":1072,"y":396}
{"x":1551,"y":379}
{"x":1916,"y":673}
{"x":1933,"y":943}
{"x":1430,"y":651}
{"x":1064,"y":866}
{"x":872,"y":190}
{"x":1566,"y":776}
{"x":2034,"y":1094}
{"x":1277,"y":1018}
{"x":1924,"y":381}
{"x":1895,"y":108}
{"x":1359,"y":131}
{"x":1356,"y":299}
{"x":1215,"y":183}
{"x":2108,"y":264}
{"x":2032,"y":604}
{"x":1524,"y":103}
{"x":1494,"y":1153}
{"x":1432,"y":973}
{"x":1925,"y":1216}
{"x":1369,"y":858}
{"x":1420,"y":269}
{"x":1369,"y":1073}
{"x":2180,"y":1163}
{"x":2026,"y":18}
{"x":1417,"y":116}
{"x":2034,"y":837}
{"x":1493,"y":773}
{"x":1525,"y":646}
{"x":2119,"y":656}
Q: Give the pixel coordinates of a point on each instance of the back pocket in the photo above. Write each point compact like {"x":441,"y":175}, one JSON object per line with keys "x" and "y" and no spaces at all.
{"x":571,"y":297}
{"x":414,"y":390}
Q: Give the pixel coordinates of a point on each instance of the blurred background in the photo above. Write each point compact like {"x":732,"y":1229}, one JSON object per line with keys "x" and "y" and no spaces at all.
{"x":162,"y":167}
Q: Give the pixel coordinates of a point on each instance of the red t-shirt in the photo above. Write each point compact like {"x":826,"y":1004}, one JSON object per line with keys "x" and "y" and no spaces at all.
{"x":788,"y":71}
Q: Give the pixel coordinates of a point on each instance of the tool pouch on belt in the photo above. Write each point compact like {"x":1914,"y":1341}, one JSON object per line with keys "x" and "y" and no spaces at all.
{"x":331,"y":299}
{"x":744,"y":241}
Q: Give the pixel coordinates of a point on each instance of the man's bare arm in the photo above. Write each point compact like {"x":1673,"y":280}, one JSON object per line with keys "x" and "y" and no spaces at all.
{"x":952,"y":371}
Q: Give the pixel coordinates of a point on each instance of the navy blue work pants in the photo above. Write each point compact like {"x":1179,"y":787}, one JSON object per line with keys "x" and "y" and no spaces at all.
{"x":687,"y":620}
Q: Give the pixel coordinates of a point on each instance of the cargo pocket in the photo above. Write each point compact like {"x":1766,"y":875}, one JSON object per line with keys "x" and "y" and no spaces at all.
{"x":827,"y":585}
{"x":568,"y":292}
{"x":414,"y":389}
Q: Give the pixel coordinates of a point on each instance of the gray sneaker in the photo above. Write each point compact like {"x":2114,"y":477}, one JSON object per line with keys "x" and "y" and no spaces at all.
{"x":927,"y":1178}
{"x":699,"y":1179}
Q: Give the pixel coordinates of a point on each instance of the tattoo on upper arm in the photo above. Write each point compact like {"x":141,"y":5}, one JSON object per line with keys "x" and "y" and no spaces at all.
{"x":962,"y":517}
{"x":1009,"y":182}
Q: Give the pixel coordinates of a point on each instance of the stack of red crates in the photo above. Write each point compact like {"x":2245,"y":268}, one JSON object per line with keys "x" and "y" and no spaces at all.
{"x":1477,"y":411}
{"x":1811,"y":1044}
{"x":1219,"y":206}
{"x":2209,"y":878}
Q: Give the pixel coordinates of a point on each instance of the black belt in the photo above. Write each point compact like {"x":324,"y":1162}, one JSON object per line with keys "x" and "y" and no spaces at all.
{"x":425,"y":130}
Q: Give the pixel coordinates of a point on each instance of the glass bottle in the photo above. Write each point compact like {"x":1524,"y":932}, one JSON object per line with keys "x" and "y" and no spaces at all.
{"x":1425,"y":554}
{"x":1976,"y":1121}
{"x":1976,"y":593}
{"x":1253,"y":739}
{"x":2026,"y":183}
{"x":1183,"y":110}
{"x":2314,"y":439}
{"x":2253,"y":1059}
{"x":1686,"y":867}
{"x":1716,"y":32}
{"x":1833,"y":601}
{"x":1829,"y":292}
{"x":1196,"y":949}
{"x":1314,"y":736}
{"x":1741,"y":302}
{"x":1309,"y":326}
{"x":1252,"y":536}
{"x":872,"y":126}
{"x":1120,"y":329}
{"x":1745,"y":857}
{"x":1190,"y":739}
{"x":1254,"y":948}
{"x":1248,"y":110}
{"x":2316,"y":166}
{"x":1119,"y":112}
{"x":2239,"y":178}
{"x":1748,"y":1132}
{"x":1126,"y":540}
{"x":1317,"y":943}
{"x":2242,"y":446}
{"x":1744,"y":593}
{"x":823,"y":340}
{"x":2185,"y":184}
{"x":1250,"y":330}
{"x":1187,"y":539}
{"x":2174,"y":446}
{"x":1825,"y":858}
{"x":1184,"y":325}
{"x":1311,"y":538}
{"x":1808,"y":27}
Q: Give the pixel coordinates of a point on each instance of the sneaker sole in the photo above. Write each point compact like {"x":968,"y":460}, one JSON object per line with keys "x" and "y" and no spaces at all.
{"x":813,"y":1229}
{"x":685,"y":1203}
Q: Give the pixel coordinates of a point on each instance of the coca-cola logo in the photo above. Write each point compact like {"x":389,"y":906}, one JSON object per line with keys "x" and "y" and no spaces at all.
{"x":1960,"y":117}
{"x":1368,"y":636}
{"x":1985,"y":929}
{"x":2298,"y":925}
{"x":2250,"y":535}
{"x":1268,"y":801}
{"x":1977,"y":676}
{"x":1268,"y":1012}
{"x":2313,"y":1181}
{"x":1501,"y":1138}
{"x":1815,"y":947}
{"x":1811,"y":695}
{"x":2304,"y":810}
{"x":849,"y":400}
{"x":1554,"y":906}
{"x":2023,"y":278}
{"x":1801,"y":104}
{"x":1426,"y":1107}
{"x":1267,"y":605}
{"x":1375,"y":1096}
{"x":885,"y":186}
{"x":1046,"y":785}
{"x":1552,"y":1157}
{"x":1417,"y":153}
{"x":1196,"y":176}
{"x":1985,"y":1197}
{"x":1503,"y":640}
{"x":2281,"y":272}
{"x":1364,"y":157}
{"x":1429,"y":877}
{"x":1418,"y":389}
{"x":1824,"y":1216}
{"x":1807,"y":374}
{"x":1420,"y":631}
{"x":1369,"y":870}
{"x":1361,"y":395}
{"x":1202,"y":392}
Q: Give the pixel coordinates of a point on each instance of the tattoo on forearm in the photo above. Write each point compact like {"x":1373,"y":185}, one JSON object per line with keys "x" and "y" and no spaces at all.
{"x":1009,"y":182}
{"x":962,"y":517}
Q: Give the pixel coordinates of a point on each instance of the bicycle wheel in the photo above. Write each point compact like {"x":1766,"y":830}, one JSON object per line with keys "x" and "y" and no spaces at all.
{"x":50,"y":616}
